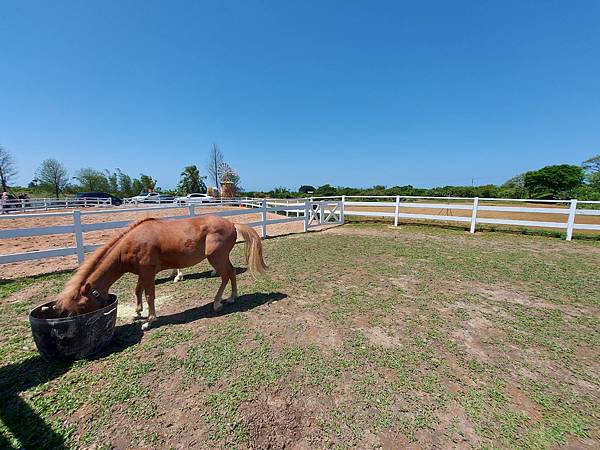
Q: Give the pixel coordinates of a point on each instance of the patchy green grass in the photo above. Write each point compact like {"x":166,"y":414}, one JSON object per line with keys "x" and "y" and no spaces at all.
{"x":361,"y":336}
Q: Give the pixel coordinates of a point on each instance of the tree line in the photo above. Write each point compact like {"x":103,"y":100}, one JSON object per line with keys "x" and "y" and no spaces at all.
{"x":562,"y":181}
{"x":52,"y":178}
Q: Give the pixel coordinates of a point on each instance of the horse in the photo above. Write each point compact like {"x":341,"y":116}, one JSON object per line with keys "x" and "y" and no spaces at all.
{"x":150,"y":245}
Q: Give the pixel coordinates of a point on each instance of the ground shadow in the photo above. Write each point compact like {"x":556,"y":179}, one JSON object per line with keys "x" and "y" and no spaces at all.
{"x":243,"y":303}
{"x":31,"y":430}
{"x":5,"y":281}
{"x":22,"y":421}
{"x":196,"y":275}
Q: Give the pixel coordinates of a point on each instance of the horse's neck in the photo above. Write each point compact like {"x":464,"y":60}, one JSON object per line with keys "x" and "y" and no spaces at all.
{"x":105,"y":275}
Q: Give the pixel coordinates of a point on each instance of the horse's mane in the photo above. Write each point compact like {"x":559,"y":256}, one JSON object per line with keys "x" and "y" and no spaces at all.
{"x":85,"y":270}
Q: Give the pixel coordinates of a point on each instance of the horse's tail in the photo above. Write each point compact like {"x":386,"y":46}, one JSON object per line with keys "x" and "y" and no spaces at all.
{"x":254,"y":255}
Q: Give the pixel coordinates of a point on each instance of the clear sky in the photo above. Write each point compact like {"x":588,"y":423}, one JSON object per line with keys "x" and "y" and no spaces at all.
{"x":302,"y":92}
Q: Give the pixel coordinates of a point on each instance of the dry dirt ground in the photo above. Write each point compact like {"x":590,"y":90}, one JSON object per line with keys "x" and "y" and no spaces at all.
{"x":361,"y":336}
{"x":18,"y":245}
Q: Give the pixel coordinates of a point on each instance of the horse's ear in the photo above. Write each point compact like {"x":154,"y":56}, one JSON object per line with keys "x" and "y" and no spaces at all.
{"x":87,"y":287}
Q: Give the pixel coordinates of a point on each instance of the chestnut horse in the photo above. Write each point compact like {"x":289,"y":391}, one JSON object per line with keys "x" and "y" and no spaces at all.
{"x":151,"y":245}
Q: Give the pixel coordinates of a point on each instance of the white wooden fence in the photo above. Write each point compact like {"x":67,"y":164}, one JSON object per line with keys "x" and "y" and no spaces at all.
{"x":30,"y":204}
{"x":390,"y":206}
{"x":318,"y":211}
{"x":327,"y":213}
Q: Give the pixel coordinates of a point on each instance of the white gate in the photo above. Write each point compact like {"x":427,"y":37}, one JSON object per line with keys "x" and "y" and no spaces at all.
{"x":324,"y":213}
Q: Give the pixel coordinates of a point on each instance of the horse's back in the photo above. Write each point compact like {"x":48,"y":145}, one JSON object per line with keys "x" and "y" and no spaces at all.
{"x":178,"y":243}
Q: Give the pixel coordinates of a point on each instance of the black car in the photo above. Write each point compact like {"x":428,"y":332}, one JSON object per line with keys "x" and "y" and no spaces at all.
{"x":96,"y":195}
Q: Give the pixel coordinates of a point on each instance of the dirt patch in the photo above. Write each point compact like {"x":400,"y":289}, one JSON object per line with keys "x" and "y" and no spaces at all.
{"x":126,"y":309}
{"x":303,"y":328}
{"x":505,"y":295}
{"x":24,"y":295}
{"x":523,"y":403}
{"x":472,"y":338}
{"x":380,"y":337}
{"x":274,"y":419}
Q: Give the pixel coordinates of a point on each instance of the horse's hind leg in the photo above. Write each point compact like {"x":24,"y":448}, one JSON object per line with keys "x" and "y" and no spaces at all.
{"x":147,"y":277}
{"x":222,"y":265}
{"x":139,"y":292}
{"x":179,"y":276}
{"x":233,"y":280}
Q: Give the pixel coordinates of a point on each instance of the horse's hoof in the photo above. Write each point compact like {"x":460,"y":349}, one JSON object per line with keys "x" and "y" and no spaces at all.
{"x":230,"y":300}
{"x":148,"y":324}
{"x":217,"y":306}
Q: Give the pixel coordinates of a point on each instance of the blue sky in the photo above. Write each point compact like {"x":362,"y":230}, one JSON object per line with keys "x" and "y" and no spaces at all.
{"x":302,"y":92}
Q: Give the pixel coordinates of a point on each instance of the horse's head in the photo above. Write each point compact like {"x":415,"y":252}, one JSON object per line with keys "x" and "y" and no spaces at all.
{"x":79,"y":301}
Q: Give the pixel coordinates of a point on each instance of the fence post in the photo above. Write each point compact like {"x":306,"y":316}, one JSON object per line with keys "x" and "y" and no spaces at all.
{"x":78,"y":235}
{"x":474,"y":214}
{"x":397,"y":211}
{"x":191,"y":209}
{"x":306,"y":215}
{"x":321,"y":213}
{"x":342,"y":210}
{"x":571,"y":220}
{"x":264,"y":218}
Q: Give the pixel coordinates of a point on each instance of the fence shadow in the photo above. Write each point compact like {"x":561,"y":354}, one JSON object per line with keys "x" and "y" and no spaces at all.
{"x":32,"y":431}
{"x":8,"y":281}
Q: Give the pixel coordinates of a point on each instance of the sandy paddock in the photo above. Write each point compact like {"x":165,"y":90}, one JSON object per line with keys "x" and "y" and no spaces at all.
{"x":25,"y":244}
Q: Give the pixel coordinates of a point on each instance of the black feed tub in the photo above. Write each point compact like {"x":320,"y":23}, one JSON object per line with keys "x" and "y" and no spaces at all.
{"x":72,"y":338}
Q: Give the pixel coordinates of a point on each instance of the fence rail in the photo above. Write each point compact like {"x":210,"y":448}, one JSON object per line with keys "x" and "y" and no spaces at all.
{"x":77,"y":228}
{"x":32,"y":204}
{"x":319,"y":211}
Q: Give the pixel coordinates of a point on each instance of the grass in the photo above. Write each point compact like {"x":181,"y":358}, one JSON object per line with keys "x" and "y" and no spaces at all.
{"x":359,"y":336}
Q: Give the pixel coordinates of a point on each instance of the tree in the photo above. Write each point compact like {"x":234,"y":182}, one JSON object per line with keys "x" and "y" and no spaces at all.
{"x":592,"y":165}
{"x":113,"y":181}
{"x":553,"y":181}
{"x":592,"y":170}
{"x":124,"y":181}
{"x":280,"y":192}
{"x":137,"y":186}
{"x":306,"y":189}
{"x":191,"y":181}
{"x":148,"y":184}
{"x":7,"y":168}
{"x":215,"y":163}
{"x":325,"y":191}
{"x":229,"y":175}
{"x":514,"y":187}
{"x":92,"y":180}
{"x":52,"y":175}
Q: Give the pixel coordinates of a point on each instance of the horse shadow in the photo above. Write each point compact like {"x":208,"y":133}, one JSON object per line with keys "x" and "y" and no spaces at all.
{"x":243,"y":303}
{"x":31,"y":430}
{"x":25,"y":425}
{"x":196,"y":276}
